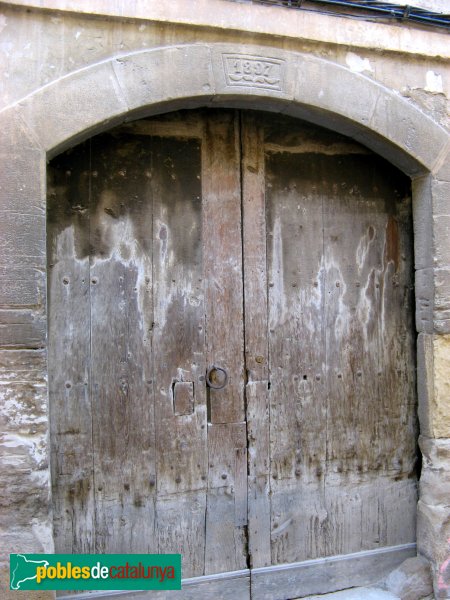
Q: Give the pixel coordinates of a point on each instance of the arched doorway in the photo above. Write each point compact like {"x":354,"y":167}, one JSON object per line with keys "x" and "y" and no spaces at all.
{"x":280,"y":253}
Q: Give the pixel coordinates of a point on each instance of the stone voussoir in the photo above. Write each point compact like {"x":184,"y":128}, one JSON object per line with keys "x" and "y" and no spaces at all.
{"x":73,"y":106}
{"x":160,"y":75}
{"x":398,"y":121}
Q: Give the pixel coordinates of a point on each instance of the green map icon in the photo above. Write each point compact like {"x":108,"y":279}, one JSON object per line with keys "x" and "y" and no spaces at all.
{"x":23,"y":569}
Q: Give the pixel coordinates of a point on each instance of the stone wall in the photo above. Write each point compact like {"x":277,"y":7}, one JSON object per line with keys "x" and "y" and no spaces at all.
{"x":71,"y":69}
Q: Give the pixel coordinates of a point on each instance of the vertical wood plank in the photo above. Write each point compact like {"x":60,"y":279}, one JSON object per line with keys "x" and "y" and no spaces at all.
{"x":69,"y":352}
{"x":180,"y":528}
{"x":121,"y":308}
{"x":259,"y":514}
{"x":223,"y":441}
{"x":256,"y":344}
{"x":225,"y":525}
{"x":227,"y":498}
{"x":223,"y":263}
{"x":296,"y":347}
{"x":350,"y":384}
{"x":178,"y":348}
{"x":240,"y":488}
{"x":371,"y":395}
{"x":254,"y":241}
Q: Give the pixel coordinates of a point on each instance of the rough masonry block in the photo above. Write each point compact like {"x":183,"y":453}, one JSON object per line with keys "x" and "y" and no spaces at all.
{"x":442,"y":301}
{"x":424,"y":283}
{"x":435,"y":477}
{"x":441,"y":198}
{"x":73,"y":107}
{"x":397,"y":120}
{"x":160,"y":75}
{"x":423,"y":222}
{"x":433,"y":368}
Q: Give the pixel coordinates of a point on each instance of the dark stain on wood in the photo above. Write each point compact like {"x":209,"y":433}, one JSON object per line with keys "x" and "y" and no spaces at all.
{"x":68,"y":177}
{"x":392,"y":247}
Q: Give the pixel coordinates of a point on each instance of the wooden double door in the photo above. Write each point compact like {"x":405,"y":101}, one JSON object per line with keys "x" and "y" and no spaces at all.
{"x":255,"y":252}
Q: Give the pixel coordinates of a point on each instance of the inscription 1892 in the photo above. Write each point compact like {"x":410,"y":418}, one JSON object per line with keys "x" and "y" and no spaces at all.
{"x":254,"y":71}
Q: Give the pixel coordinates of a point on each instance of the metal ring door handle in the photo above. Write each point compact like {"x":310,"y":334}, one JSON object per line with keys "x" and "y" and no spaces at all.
{"x":216,"y":378}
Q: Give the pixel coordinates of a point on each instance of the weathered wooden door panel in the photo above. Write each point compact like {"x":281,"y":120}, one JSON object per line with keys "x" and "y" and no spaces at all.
{"x":153,"y":225}
{"x":341,"y":347}
{"x":178,"y":349}
{"x":370,"y":357}
{"x":280,"y":253}
{"x":120,"y":316}
{"x":69,"y":351}
{"x":256,"y":345}
{"x":226,"y":515}
{"x":296,"y":340}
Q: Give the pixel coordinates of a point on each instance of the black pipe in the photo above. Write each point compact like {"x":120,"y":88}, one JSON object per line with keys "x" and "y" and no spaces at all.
{"x":383,"y":10}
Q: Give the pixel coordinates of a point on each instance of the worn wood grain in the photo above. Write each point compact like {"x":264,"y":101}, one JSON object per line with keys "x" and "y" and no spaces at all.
{"x":254,"y":248}
{"x":225,"y":522}
{"x":225,"y":543}
{"x":178,"y":341}
{"x":256,"y":342}
{"x":240,"y":488}
{"x":223,"y":263}
{"x":226,"y":516}
{"x":369,"y":352}
{"x":180,"y":528}
{"x":259,"y":493}
{"x":323,"y":575}
{"x":121,"y":301}
{"x":296,"y":345}
{"x":223,"y":441}
{"x":69,"y":354}
{"x":355,"y":212}
{"x":183,"y":398}
{"x":183,"y":124}
{"x":282,"y":253}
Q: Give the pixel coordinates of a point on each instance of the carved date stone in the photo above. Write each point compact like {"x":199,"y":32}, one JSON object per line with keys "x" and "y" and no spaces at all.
{"x":254,"y":71}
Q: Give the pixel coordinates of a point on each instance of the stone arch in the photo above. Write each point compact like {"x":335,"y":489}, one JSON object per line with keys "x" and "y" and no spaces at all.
{"x":148,"y":82}
{"x":162,"y":79}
